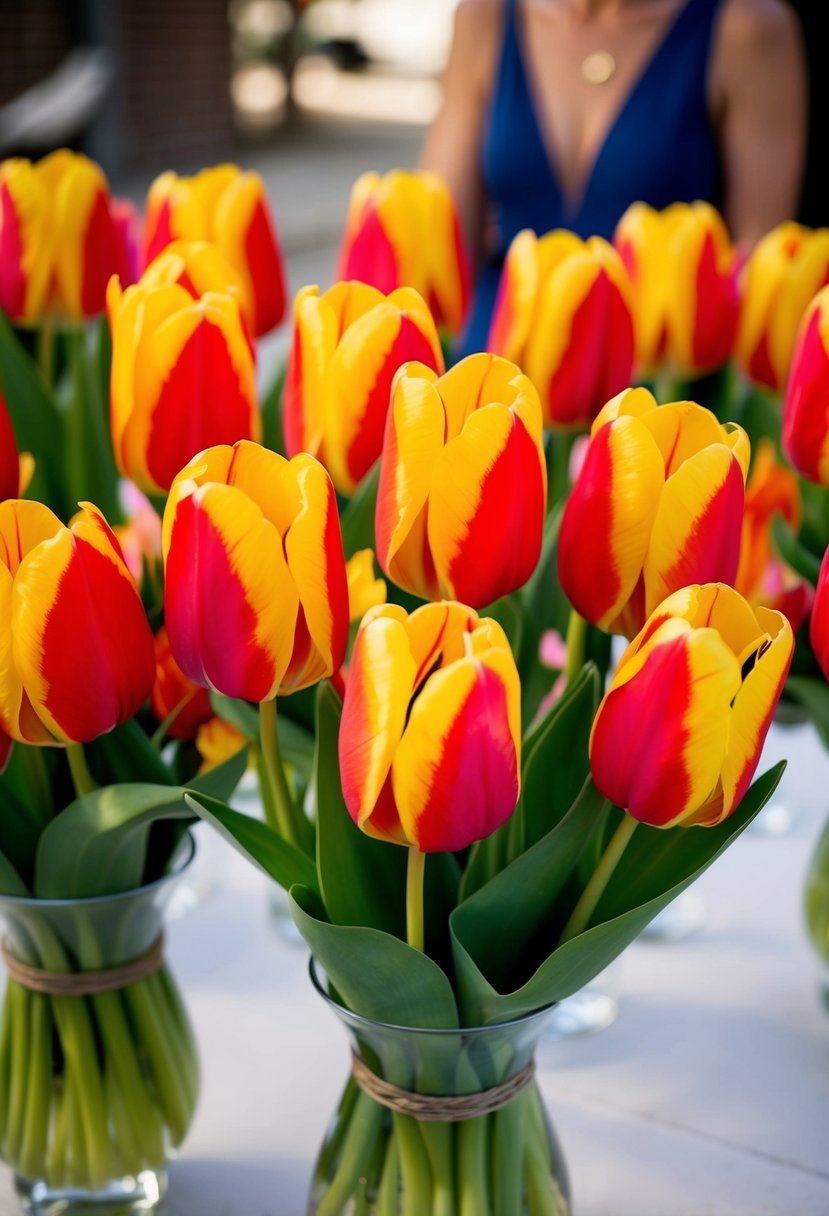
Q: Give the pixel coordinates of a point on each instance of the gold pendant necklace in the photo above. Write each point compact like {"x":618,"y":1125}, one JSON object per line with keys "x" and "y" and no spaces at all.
{"x":598,"y":67}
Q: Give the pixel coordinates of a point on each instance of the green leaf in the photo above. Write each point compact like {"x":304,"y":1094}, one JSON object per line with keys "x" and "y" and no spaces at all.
{"x":376,"y":975}
{"x":98,"y":844}
{"x":790,"y":549}
{"x":506,"y":928}
{"x":658,"y":866}
{"x":509,"y":614}
{"x":813,"y":695}
{"x":10,"y":881}
{"x":221,"y":781}
{"x":362,"y":880}
{"x":37,"y":424}
{"x":357,"y":518}
{"x":257,"y":842}
{"x":272,"y":404}
{"x":127,"y":754}
{"x":88,"y":458}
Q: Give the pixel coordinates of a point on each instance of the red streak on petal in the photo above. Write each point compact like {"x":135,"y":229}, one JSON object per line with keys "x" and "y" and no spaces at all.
{"x":12,"y":280}
{"x":759,"y":365}
{"x":711,"y":551}
{"x":806,"y":409}
{"x":587,"y":566}
{"x":161,"y":236}
{"x":264,"y":262}
{"x":717,"y":311}
{"x":371,"y":257}
{"x":101,"y":258}
{"x":293,"y":408}
{"x":9,"y":460}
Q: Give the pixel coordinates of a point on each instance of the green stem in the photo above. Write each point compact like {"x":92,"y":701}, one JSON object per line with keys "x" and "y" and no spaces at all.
{"x":363,"y":1129}
{"x":81,"y":776}
{"x":592,"y":893}
{"x":473,"y":1193}
{"x":280,"y":795}
{"x":576,"y":644}
{"x":437,"y":1138}
{"x":415,"y":870}
{"x":415,"y":1169}
{"x":388,"y":1193}
{"x":508,"y":1135}
{"x":38,"y":1088}
{"x":45,"y":353}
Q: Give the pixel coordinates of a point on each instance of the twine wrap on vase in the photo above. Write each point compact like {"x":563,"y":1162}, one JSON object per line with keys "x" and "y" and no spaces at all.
{"x":428,"y":1108}
{"x":84,"y":983}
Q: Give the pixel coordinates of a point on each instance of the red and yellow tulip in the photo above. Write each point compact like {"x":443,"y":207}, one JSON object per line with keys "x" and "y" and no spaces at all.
{"x":819,"y":622}
{"x":402,"y":230}
{"x":679,"y":733}
{"x":348,"y":344}
{"x":229,"y":209}
{"x":430,"y":738}
{"x":76,"y":651}
{"x":785,"y":271}
{"x":183,"y":379}
{"x":61,"y":238}
{"x":216,"y":741}
{"x":364,"y":590}
{"x":256,"y":600}
{"x":463,"y":483}
{"x":806,"y":406}
{"x":563,"y":314}
{"x":173,"y":692}
{"x":762,"y":578}
{"x":15,"y":471}
{"x":686,"y":298}
{"x":658,"y":505}
{"x":198,"y":267}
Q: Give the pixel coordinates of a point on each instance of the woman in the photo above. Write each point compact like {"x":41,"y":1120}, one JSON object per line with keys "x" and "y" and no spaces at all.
{"x":560,"y":113}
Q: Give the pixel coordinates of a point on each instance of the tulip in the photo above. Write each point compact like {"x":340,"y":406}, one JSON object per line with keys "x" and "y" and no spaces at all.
{"x":463,"y":483}
{"x":686,"y":299}
{"x":173,"y":692}
{"x":15,"y":471}
{"x":806,"y":406}
{"x":563,"y":314}
{"x":183,"y":378}
{"x":781,"y":277}
{"x":348,"y":344}
{"x":25,"y":241}
{"x":658,"y":504}
{"x":364,"y":590}
{"x":256,"y":600}
{"x":217,"y":741}
{"x":402,"y":230}
{"x":430,"y":737}
{"x":819,"y":623}
{"x":762,"y":578}
{"x":198,"y":267}
{"x":76,"y":651}
{"x":679,"y":733}
{"x":229,"y":209}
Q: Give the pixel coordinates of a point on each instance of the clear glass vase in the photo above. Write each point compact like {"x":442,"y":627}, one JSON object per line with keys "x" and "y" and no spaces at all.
{"x":98,"y":1091}
{"x":378,"y":1162}
{"x":816,"y":911}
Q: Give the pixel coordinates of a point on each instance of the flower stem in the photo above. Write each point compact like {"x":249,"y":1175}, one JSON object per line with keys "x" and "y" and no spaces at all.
{"x":576,"y":640}
{"x":45,"y":353}
{"x":81,"y":776}
{"x":415,"y":871}
{"x":278,"y":792}
{"x":592,"y":893}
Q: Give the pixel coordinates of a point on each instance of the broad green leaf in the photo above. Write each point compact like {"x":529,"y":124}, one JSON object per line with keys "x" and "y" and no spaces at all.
{"x":362,"y":880}
{"x":280,"y":860}
{"x":38,"y":426}
{"x":10,"y":881}
{"x":506,"y":928}
{"x":19,"y":834}
{"x":509,"y":614}
{"x":98,"y":844}
{"x":813,"y":695}
{"x":801,"y":560}
{"x":127,"y":754}
{"x":221,"y":781}
{"x":631,"y":901}
{"x":357,"y":518}
{"x":375,"y":974}
{"x":88,"y":457}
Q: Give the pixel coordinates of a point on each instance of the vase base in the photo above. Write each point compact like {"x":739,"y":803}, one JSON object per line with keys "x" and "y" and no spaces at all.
{"x":127,"y":1196}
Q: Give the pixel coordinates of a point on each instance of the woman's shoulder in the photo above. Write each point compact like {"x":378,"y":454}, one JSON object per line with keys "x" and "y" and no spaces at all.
{"x":759,"y":43}
{"x":477,"y":36}
{"x":749,"y":24}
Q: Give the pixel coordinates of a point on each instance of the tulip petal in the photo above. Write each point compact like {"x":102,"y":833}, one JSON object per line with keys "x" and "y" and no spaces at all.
{"x":455,"y":774}
{"x":806,"y":408}
{"x":378,"y":691}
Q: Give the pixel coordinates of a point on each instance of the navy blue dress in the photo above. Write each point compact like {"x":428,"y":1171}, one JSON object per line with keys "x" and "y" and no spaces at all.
{"x":661,"y":149}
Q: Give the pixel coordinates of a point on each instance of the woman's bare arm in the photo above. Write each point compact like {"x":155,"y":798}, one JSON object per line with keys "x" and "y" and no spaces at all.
{"x":453,"y":144}
{"x":760,"y":81}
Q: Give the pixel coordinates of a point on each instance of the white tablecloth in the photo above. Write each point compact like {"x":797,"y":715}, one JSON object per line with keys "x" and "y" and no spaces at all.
{"x":709,"y":1095}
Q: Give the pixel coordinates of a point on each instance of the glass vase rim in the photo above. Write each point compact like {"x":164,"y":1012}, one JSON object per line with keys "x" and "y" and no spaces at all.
{"x":91,"y":901}
{"x":433,"y":1031}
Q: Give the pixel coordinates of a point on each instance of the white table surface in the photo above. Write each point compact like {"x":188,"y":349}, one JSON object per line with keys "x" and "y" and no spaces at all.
{"x":708,"y":1096}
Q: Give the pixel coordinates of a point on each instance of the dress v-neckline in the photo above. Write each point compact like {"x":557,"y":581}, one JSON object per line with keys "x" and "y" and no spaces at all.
{"x":573,"y":204}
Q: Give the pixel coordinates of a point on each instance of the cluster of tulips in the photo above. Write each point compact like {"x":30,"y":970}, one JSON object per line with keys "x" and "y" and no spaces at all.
{"x":248,"y":575}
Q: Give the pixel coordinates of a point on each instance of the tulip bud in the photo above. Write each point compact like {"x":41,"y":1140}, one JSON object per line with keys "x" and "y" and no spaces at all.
{"x":658,"y":504}
{"x":256,"y":600}
{"x":819,"y":623}
{"x":781,"y":277}
{"x":430,"y":738}
{"x":25,"y":242}
{"x":806,"y":406}
{"x":183,"y":379}
{"x":463,"y":482}
{"x":684,"y":272}
{"x":679,"y":733}
{"x":172,"y":691}
{"x":348,"y":344}
{"x":402,"y":230}
{"x":563,"y":313}
{"x":198,"y":267}
{"x":229,"y":209}
{"x":76,"y":651}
